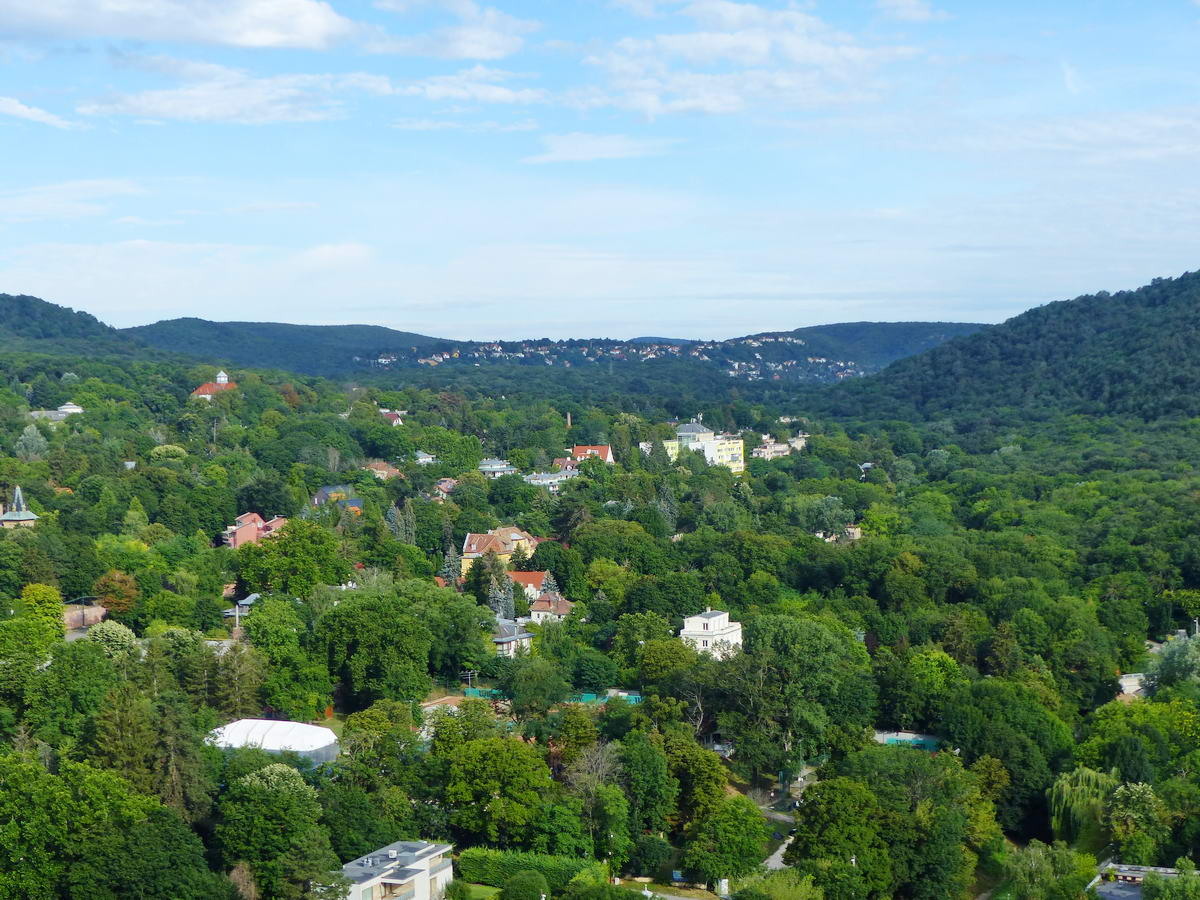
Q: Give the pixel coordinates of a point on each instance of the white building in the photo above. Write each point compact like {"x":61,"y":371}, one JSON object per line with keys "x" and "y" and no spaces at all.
{"x":712,"y":632}
{"x":770,"y":450}
{"x":550,"y":607}
{"x":494,"y":468}
{"x":405,"y":870}
{"x":310,"y":741}
{"x":551,"y":481}
{"x":511,"y":638}
{"x":719,"y":449}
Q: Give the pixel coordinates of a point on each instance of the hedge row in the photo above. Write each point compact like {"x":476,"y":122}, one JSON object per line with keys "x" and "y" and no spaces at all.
{"x":483,"y":866}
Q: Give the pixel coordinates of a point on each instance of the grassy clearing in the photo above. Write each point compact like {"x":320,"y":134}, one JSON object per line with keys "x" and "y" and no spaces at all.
{"x":482,"y":891}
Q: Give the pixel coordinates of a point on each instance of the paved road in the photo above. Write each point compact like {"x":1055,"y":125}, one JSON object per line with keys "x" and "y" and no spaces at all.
{"x":775,"y":860}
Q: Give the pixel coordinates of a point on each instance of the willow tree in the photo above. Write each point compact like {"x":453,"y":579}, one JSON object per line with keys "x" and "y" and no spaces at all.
{"x":1077,"y":804}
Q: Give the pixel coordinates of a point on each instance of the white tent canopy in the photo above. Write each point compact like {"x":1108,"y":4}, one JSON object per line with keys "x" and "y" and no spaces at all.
{"x":311,"y":741}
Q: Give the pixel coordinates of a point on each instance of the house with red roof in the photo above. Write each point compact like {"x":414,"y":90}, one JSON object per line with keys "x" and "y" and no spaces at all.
{"x":210,"y":389}
{"x":249,"y":528}
{"x":533,"y":583}
{"x":382,"y":470}
{"x":502,"y":541}
{"x":600,"y":451}
{"x":551,"y":607}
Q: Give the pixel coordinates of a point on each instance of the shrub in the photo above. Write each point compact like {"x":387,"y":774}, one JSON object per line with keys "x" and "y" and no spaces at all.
{"x":527,"y":885}
{"x":496,"y":867}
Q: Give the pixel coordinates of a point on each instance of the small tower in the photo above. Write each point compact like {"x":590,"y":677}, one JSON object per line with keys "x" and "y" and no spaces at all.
{"x":18,"y":515}
{"x":222,"y":378}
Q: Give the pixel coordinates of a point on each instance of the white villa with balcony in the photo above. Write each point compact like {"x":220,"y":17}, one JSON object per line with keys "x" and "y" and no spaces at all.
{"x":711,"y":632}
{"x":405,"y":870}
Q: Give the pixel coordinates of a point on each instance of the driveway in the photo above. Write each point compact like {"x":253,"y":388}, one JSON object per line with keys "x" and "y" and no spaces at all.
{"x":775,"y":860}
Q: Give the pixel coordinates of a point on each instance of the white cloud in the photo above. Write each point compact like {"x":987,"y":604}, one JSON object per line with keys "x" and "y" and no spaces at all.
{"x":482,"y":32}
{"x":910,"y":10}
{"x":1103,"y":140}
{"x":735,"y":55}
{"x":333,"y":256}
{"x":477,"y":84}
{"x":488,"y":127}
{"x":146,"y":223}
{"x":580,"y":147}
{"x":1070,"y":76}
{"x":214,"y":93}
{"x":12,"y":107}
{"x":646,"y":8}
{"x":68,"y":200}
{"x":309,"y":24}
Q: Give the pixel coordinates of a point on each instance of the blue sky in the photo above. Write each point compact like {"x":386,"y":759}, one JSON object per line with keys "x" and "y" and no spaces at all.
{"x":494,"y":168}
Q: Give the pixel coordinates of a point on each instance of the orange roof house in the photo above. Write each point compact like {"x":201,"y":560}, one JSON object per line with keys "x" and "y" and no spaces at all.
{"x":600,"y":451}
{"x":551,"y":607}
{"x":210,"y":389}
{"x":531,"y":582}
{"x":382,"y":470}
{"x":502,"y":541}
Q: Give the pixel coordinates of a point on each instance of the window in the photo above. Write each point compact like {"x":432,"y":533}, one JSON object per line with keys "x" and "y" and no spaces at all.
{"x":706,"y":626}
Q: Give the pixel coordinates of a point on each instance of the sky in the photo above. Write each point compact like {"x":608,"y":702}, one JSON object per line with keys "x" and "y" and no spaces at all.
{"x":483,"y":169}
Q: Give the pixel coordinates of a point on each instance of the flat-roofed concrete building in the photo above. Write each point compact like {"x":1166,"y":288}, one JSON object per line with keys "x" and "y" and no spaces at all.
{"x":405,"y":870}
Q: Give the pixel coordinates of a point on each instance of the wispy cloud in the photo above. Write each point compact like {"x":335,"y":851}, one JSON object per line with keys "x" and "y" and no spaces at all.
{"x":487,"y":127}
{"x":481,"y":32}
{"x":477,"y":84}
{"x":214,"y":93}
{"x":10,"y":106}
{"x":311,"y":24}
{"x":910,"y":10}
{"x":66,"y":200}
{"x":581,"y":147}
{"x":1070,"y":76}
{"x":737,"y":54}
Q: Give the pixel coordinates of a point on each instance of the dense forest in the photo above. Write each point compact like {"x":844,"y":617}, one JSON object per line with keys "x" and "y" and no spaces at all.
{"x":1126,"y":353}
{"x":979,"y":578}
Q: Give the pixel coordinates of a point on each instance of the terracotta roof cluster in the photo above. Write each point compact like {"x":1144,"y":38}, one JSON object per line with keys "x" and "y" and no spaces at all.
{"x":553,"y":603}
{"x":501,"y":541}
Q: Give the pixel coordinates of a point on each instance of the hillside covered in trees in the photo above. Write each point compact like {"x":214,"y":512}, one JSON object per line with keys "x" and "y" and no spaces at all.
{"x":989,"y":583}
{"x":1128,"y":353}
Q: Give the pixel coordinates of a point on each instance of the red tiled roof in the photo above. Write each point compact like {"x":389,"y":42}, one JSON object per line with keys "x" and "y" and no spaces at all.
{"x":529,"y":579}
{"x":499,"y":540}
{"x":583,"y":451}
{"x":211,"y":387}
{"x":555,"y":604}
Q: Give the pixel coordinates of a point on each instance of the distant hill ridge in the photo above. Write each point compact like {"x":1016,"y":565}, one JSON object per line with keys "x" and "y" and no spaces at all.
{"x":840,"y":351}
{"x":812,"y":354}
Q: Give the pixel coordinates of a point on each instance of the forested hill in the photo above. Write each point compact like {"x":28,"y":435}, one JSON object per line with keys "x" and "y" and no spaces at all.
{"x":308,"y":349}
{"x":815,"y":354}
{"x":29,"y":323}
{"x":1130,"y":353}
